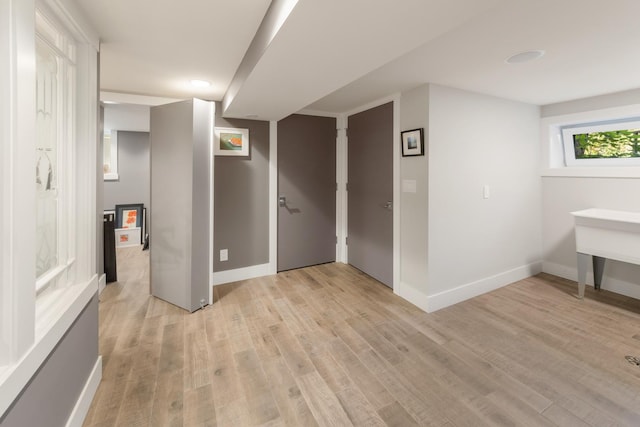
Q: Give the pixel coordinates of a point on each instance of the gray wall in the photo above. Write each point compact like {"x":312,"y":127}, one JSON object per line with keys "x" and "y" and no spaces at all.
{"x":133,"y":169}
{"x":180,"y":194}
{"x":52,"y":393}
{"x":241,"y":199}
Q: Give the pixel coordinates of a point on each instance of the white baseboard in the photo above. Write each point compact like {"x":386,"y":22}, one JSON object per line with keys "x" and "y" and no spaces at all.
{"x":413,"y":295}
{"x":228,"y":276}
{"x":608,"y":283}
{"x":102,"y":283}
{"x":86,"y":397}
{"x":431,"y":303}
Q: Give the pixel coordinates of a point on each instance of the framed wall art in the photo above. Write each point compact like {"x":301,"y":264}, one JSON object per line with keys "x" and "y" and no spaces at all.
{"x":413,"y":142}
{"x":231,"y":142}
{"x":129,"y":216}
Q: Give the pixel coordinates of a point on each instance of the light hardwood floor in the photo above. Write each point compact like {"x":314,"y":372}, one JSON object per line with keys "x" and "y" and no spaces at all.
{"x":327,"y":345}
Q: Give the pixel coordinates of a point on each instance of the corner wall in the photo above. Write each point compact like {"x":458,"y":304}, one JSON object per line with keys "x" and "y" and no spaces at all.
{"x":241,"y":200}
{"x":473,"y":244}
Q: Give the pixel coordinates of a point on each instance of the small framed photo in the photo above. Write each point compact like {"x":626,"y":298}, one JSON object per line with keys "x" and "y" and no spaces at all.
{"x":231,"y":142}
{"x":129,"y":216}
{"x":413,"y":142}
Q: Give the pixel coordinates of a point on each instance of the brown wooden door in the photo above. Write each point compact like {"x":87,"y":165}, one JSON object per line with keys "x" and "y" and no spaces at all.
{"x":306,"y":191}
{"x":370,"y":192}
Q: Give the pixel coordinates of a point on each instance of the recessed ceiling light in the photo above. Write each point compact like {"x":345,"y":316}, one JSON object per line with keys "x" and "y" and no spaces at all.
{"x":109,"y":102}
{"x":200,"y":83}
{"x":251,"y":116}
{"x":529,"y":55}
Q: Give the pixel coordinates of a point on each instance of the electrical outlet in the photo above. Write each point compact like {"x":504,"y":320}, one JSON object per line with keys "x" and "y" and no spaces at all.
{"x":224,"y":254}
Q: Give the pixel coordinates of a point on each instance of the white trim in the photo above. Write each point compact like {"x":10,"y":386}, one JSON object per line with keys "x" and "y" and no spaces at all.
{"x":309,"y":112}
{"x":245,"y":273}
{"x":341,"y":195}
{"x":593,"y":172}
{"x":396,"y":190}
{"x":431,"y":303}
{"x":211,"y":200}
{"x":102,"y":283}
{"x":373,"y":104}
{"x":127,"y":98}
{"x":17,"y":158}
{"x":81,"y":409}
{"x":412,"y":295}
{"x":69,"y":18}
{"x":69,"y":304}
{"x":608,"y":283}
{"x":273,"y":197}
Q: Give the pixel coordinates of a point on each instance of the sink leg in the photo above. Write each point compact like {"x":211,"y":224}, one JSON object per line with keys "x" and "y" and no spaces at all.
{"x":598,"y":270}
{"x":583,"y":263}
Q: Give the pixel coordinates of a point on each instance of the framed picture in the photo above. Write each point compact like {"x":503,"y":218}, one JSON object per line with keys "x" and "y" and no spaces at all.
{"x":413,"y":142}
{"x":129,"y":216}
{"x":127,"y":237}
{"x":231,"y":142}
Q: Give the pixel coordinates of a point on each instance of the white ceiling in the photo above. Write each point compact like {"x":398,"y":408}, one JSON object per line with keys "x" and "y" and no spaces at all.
{"x":336,"y":55}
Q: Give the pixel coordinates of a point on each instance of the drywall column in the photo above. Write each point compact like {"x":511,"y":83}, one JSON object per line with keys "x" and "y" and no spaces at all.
{"x":414,"y":185}
{"x":180,"y":190}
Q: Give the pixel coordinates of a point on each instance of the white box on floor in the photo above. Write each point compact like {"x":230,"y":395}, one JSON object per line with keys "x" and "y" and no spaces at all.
{"x":127,"y":237}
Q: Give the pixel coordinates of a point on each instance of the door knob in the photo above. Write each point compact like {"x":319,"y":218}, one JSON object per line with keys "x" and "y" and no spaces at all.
{"x":389,"y":205}
{"x":282,"y":201}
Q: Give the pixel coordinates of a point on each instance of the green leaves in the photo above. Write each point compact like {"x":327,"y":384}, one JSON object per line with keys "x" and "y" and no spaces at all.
{"x":607,"y":145}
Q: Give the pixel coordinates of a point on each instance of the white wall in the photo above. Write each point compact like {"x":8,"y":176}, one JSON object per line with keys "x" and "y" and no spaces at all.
{"x":474,"y":244}
{"x":126,"y":117}
{"x":414,"y":114}
{"x":562,"y":195}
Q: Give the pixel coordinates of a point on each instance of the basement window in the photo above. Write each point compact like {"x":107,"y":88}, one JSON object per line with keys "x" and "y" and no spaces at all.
{"x":606,"y":143}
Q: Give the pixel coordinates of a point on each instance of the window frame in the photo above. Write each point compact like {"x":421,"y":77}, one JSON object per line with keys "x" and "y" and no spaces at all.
{"x":552,"y":148}
{"x":63,"y":45}
{"x":113,"y":155}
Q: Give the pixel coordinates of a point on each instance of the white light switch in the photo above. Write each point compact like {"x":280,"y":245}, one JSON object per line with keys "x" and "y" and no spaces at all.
{"x":409,"y":186}
{"x":486,"y":192}
{"x":224,"y":254}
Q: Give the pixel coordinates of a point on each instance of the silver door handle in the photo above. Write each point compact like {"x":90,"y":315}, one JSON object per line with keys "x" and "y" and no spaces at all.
{"x":389,"y":205}
{"x":282,"y":201}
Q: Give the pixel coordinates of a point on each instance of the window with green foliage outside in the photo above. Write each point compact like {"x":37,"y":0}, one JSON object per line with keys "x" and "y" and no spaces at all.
{"x":607,"y":145}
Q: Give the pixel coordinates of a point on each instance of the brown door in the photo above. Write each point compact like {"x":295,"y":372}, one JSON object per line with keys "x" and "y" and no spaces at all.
{"x":370,"y":192}
{"x":306,"y":191}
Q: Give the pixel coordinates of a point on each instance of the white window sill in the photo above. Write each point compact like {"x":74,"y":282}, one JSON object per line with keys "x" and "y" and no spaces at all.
{"x":56,"y":310}
{"x":111,"y":176}
{"x":593,"y":172}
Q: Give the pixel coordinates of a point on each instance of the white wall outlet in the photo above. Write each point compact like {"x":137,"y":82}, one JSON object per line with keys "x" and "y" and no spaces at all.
{"x":224,"y":254}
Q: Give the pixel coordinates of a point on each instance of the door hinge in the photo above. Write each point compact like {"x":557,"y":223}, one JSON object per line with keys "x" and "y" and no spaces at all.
{"x":346,"y":240}
{"x":336,"y":240}
{"x":346,"y":186}
{"x":336,"y":186}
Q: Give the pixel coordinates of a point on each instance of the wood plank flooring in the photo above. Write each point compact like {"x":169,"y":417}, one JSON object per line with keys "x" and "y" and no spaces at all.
{"x":329,"y":346}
